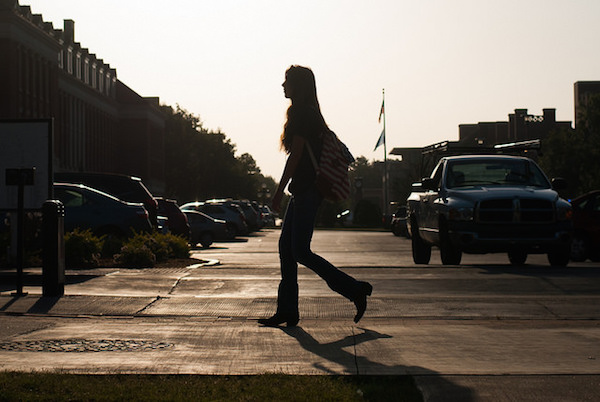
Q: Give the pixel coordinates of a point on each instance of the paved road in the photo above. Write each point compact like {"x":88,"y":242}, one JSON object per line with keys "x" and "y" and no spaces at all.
{"x":481,"y":331}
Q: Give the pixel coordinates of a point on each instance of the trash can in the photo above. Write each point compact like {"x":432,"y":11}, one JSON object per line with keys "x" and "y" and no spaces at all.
{"x":53,"y":270}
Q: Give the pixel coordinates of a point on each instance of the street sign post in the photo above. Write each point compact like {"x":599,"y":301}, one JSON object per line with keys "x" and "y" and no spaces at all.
{"x":20,"y":177}
{"x":26,"y":160}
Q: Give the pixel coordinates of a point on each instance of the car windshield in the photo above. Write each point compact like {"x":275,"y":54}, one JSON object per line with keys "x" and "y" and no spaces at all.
{"x":500,"y":172}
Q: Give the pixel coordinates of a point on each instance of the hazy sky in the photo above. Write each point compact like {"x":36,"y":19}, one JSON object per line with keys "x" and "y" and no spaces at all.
{"x":442,"y":63}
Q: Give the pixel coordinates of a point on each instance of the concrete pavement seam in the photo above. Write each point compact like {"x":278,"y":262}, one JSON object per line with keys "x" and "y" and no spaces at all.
{"x":355,"y":353}
{"x":140,"y":311}
{"x":556,"y":316}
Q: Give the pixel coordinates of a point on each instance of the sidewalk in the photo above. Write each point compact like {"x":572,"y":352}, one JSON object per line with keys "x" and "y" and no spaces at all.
{"x":202,"y":320}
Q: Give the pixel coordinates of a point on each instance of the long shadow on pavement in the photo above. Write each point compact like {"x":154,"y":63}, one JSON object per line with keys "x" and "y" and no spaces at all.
{"x":336,"y":353}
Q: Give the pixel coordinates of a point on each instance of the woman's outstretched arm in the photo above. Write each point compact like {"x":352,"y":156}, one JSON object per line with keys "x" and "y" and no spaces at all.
{"x":290,"y":168}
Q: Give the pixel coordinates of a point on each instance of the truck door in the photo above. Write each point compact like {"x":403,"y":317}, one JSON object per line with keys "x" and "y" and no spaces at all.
{"x":429,"y":210}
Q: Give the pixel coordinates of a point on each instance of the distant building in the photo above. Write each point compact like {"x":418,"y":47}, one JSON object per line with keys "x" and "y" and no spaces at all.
{"x":583,"y":89}
{"x":520,"y":126}
{"x":100,"y":124}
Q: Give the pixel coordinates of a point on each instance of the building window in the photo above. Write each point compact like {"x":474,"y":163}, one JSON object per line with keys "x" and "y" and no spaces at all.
{"x":78,"y":66}
{"x":86,"y":71}
{"x":94,"y":75}
{"x":101,"y":80}
{"x":61,"y":56}
{"x":70,"y":61}
{"x":107,"y":84}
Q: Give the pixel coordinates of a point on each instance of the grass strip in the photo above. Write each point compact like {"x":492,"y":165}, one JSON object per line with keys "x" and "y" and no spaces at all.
{"x":269,"y":387}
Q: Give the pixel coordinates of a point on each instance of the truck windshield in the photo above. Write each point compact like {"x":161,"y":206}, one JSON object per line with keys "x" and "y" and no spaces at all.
{"x":500,"y":172}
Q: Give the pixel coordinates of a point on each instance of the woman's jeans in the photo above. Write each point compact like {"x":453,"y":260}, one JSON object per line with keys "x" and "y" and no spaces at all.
{"x":294,"y":248}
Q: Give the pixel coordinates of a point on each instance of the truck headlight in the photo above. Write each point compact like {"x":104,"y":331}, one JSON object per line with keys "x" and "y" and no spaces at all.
{"x":564,"y":213}
{"x":460,"y":214}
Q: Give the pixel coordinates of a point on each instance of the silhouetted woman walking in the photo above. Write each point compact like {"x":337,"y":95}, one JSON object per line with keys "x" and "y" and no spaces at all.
{"x":303,"y":128}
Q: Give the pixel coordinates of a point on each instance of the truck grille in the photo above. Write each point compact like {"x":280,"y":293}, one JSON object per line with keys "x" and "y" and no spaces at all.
{"x":513,"y":210}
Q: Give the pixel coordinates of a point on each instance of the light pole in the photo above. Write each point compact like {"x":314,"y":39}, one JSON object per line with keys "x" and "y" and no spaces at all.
{"x":264,"y":194}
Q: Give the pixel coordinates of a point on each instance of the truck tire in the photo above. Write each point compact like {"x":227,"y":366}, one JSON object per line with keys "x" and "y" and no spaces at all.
{"x":579,"y":247}
{"x":449,"y":253}
{"x":559,"y":257}
{"x":421,"y":251}
{"x":517,"y":257}
{"x":206,"y":239}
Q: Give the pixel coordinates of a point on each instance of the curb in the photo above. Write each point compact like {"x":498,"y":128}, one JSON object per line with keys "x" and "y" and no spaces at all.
{"x":206,"y":263}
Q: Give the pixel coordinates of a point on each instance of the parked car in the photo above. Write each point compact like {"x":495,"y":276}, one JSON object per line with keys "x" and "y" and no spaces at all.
{"x":205,"y":229}
{"x":251,"y":213}
{"x":162,"y":224}
{"x":489,"y":204}
{"x":178,"y":222}
{"x":586,"y":227}
{"x":224,"y":210}
{"x":126,"y":188}
{"x":398,"y":223}
{"x":345,"y":217}
{"x":259,"y":212}
{"x":102,"y":213}
{"x":268,"y":216}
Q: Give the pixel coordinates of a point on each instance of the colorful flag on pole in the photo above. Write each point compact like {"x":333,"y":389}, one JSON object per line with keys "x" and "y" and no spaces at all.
{"x":381,"y":140}
{"x":382,"y":111}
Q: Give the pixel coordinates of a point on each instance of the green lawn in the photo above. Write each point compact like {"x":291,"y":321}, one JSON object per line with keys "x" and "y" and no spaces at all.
{"x":60,"y":387}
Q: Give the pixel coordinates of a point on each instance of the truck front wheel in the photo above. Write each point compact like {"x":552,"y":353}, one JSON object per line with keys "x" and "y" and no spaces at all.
{"x":559,"y":257}
{"x":449,"y":253}
{"x":421,"y":251}
{"x":517,"y":257}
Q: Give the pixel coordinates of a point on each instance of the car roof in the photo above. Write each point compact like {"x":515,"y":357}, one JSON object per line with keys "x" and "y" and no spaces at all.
{"x":586,"y":195}
{"x":188,"y":212}
{"x":166,"y":200}
{"x":483,"y":157}
{"x":90,"y":189}
{"x":97,"y":175}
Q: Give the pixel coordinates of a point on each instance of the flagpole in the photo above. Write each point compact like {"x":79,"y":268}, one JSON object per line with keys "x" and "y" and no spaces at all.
{"x":385,"y":165}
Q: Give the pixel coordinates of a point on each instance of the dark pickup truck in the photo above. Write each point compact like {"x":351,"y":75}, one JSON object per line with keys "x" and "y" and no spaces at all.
{"x":489,"y":204}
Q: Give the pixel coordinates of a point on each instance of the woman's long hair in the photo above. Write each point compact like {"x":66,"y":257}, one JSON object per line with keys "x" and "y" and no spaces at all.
{"x":303,"y":96}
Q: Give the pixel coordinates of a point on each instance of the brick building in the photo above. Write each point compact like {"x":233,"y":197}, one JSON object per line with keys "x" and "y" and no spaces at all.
{"x":521,"y":126}
{"x":100,"y":124}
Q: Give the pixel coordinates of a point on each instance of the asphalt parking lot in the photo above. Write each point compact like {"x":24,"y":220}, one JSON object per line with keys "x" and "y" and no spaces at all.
{"x":481,"y":331}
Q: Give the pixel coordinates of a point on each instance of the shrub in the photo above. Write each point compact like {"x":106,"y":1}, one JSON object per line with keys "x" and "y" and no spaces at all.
{"x":156,"y":242}
{"x":161,"y":246}
{"x":82,"y":249}
{"x":136,"y":256}
{"x":33,"y":244}
{"x":4,"y":244}
{"x":111,"y":245}
{"x":178,"y":246}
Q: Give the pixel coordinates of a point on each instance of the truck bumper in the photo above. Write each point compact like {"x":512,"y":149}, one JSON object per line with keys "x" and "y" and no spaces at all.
{"x":497,"y":238}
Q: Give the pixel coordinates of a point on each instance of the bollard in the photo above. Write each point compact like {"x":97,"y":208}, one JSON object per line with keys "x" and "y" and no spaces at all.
{"x":53,"y":271}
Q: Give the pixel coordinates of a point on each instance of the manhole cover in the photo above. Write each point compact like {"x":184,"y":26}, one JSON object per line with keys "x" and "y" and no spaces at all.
{"x":84,"y":345}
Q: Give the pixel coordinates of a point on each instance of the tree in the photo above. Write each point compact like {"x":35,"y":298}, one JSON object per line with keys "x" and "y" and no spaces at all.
{"x":575,"y":154}
{"x":401,"y":175}
{"x":201,"y":164}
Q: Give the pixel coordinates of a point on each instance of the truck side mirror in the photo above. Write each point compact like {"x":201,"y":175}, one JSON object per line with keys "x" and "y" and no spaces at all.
{"x":429,"y":184}
{"x":558,"y":183}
